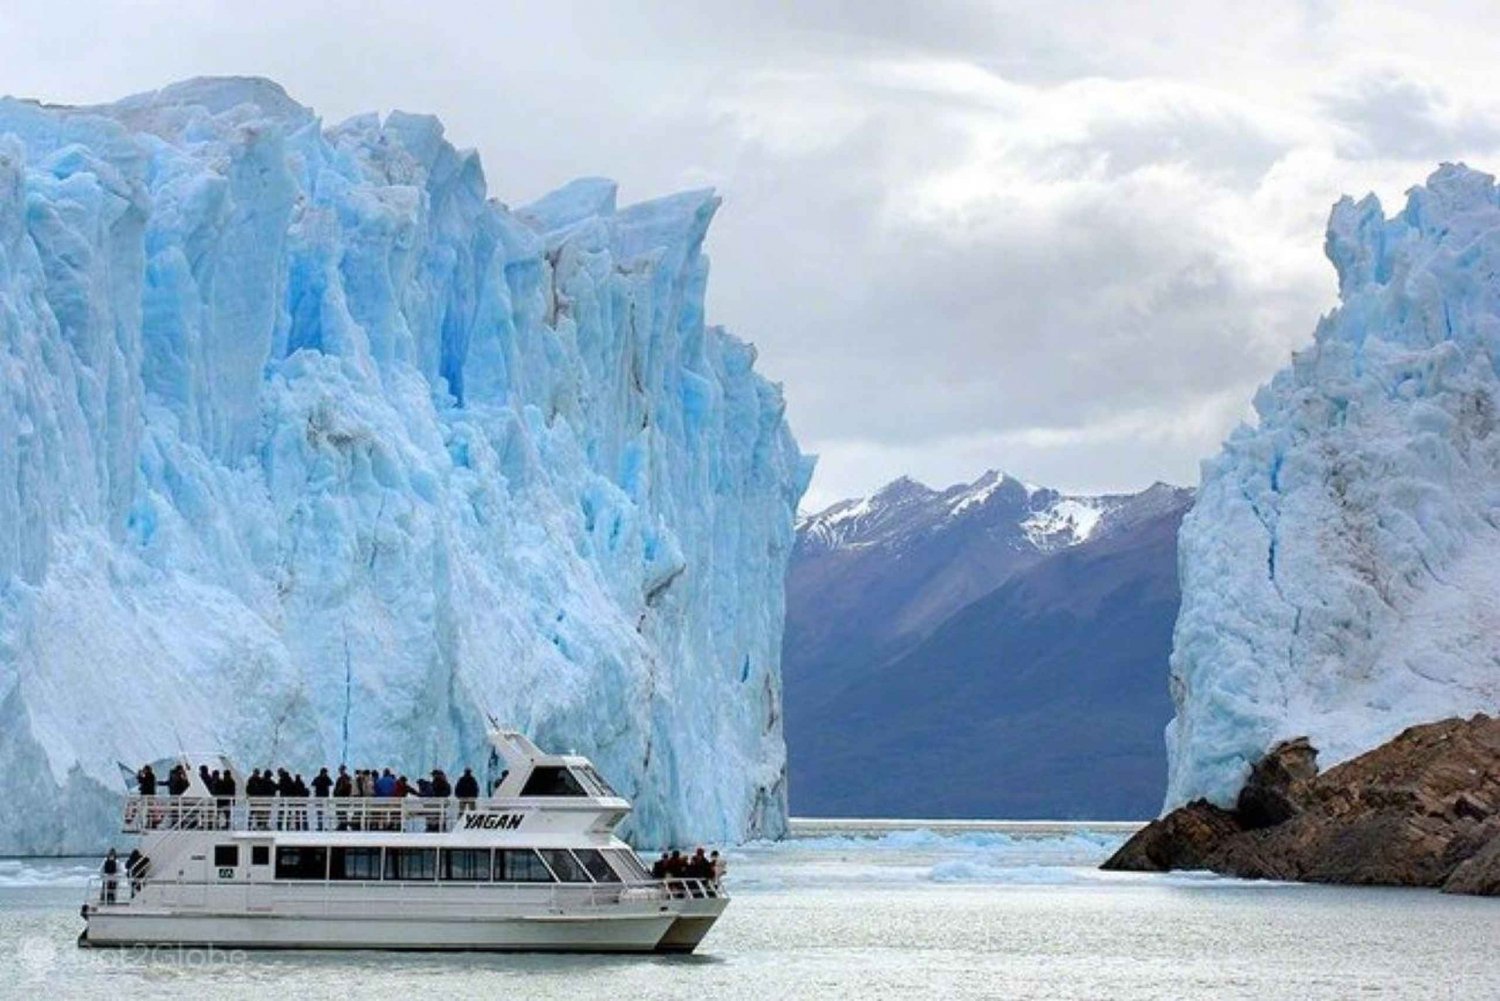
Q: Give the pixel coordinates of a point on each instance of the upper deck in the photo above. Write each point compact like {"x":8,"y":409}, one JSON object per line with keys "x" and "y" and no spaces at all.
{"x":547,"y":794}
{"x":408,"y":814}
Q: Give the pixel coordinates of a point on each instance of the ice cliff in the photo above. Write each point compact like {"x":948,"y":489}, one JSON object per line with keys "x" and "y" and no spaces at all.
{"x":311,"y":452}
{"x":1341,"y":567}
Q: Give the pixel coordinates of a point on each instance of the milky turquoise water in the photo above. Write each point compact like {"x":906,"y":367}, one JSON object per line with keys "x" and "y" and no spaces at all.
{"x":907,"y":914}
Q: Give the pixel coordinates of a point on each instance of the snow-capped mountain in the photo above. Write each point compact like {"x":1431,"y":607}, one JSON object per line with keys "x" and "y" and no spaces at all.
{"x":311,"y":452}
{"x":1341,"y":566}
{"x":935,"y":614}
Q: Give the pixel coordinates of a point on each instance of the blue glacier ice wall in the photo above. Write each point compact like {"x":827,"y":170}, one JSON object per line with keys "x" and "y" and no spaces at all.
{"x":1341,"y":566}
{"x":311,"y":452}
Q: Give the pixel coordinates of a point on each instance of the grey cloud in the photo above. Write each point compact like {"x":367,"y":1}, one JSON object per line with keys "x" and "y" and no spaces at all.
{"x":1392,"y":115}
{"x":1125,"y":252}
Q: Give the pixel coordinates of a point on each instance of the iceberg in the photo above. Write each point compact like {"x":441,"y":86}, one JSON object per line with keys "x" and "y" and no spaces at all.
{"x":311,"y":452}
{"x":1340,"y":566}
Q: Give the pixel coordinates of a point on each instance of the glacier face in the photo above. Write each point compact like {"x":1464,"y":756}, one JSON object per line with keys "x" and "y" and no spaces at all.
{"x":310,"y":452}
{"x":1341,"y":565}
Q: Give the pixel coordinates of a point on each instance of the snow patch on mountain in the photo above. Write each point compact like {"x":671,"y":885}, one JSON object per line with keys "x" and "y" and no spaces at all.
{"x":1067,"y":522}
{"x":1340,"y":566}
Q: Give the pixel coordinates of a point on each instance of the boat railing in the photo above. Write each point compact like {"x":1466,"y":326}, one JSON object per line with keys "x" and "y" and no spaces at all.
{"x":121,"y":892}
{"x":409,"y":814}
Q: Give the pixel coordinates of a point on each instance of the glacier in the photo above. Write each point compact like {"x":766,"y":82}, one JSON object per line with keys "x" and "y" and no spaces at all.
{"x":1341,"y":564}
{"x":312,"y":452}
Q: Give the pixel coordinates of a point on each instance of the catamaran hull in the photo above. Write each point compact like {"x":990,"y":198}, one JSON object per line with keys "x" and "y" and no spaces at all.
{"x":642,"y":933}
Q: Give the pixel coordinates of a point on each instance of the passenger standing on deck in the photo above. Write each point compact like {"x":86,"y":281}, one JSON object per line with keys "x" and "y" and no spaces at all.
{"x":111,"y":870}
{"x":659,"y":867}
{"x":385,"y":785}
{"x":322,"y":784}
{"x":145,"y":779}
{"x":343,"y":788}
{"x":467,"y":790}
{"x":719,"y":866}
{"x":440,"y":786}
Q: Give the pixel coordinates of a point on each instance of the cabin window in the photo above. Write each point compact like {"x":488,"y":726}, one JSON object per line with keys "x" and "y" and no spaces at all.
{"x":226,"y":856}
{"x":595,"y":782}
{"x":520,"y":865}
{"x":568,"y":868}
{"x":410,"y":864}
{"x":299,"y":862}
{"x":467,"y":865}
{"x":552,"y":781}
{"x":596,"y":865}
{"x":354,"y":863}
{"x":260,"y":854}
{"x":627,"y":862}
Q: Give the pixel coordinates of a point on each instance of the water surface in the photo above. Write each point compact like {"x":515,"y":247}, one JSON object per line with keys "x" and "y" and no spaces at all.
{"x":976,"y":912}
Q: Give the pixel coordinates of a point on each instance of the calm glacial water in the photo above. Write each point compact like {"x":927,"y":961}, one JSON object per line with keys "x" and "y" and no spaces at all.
{"x":972,"y":912}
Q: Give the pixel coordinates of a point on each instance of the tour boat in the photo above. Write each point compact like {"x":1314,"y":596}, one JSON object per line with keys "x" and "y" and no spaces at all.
{"x":534,"y":866}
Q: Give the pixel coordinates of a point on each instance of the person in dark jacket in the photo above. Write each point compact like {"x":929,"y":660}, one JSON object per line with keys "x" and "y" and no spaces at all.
{"x":676,"y":865}
{"x":659,"y":867}
{"x":322,"y":783}
{"x":467,"y":790}
{"x":440,"y":785}
{"x":111,"y":871}
{"x":145,"y":781}
{"x":177,"y":780}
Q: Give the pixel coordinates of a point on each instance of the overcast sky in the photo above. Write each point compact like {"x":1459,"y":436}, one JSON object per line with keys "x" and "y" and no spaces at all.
{"x":1064,"y":242}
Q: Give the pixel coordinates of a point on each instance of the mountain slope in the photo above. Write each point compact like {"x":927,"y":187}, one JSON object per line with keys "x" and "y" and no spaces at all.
{"x":1039,"y":697}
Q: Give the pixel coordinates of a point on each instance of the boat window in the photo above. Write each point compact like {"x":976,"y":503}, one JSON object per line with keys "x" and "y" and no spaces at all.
{"x":226,"y":856}
{"x":552,"y":781}
{"x":596,"y":865}
{"x":595,"y":782}
{"x":568,"y":868}
{"x":260,"y":854}
{"x":410,"y":864}
{"x":627,"y":862}
{"x":301,"y":862}
{"x":354,"y":863}
{"x":520,"y":865}
{"x":471,"y":865}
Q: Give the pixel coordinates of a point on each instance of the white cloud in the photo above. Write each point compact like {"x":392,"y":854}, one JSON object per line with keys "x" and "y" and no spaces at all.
{"x":1067,"y":242}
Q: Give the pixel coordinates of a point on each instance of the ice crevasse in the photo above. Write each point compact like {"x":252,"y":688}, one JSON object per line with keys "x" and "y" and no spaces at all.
{"x":1341,"y":566}
{"x":311,"y":452}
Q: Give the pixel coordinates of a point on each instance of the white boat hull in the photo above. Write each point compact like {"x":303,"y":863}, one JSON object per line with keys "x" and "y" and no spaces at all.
{"x":553,"y":933}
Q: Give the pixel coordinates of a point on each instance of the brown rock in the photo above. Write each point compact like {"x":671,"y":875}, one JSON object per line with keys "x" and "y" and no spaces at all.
{"x":1479,"y":873}
{"x":1420,"y":810}
{"x":1183,"y":839}
{"x":1279,"y":785}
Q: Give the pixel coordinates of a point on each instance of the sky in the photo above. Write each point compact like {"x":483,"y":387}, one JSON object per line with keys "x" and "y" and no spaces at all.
{"x":1065,"y":241}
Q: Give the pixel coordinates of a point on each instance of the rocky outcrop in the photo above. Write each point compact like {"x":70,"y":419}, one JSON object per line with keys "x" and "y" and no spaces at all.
{"x":1420,"y":810}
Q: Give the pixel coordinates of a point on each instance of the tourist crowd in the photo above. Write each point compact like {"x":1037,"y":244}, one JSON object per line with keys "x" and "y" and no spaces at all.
{"x":366,"y":783}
